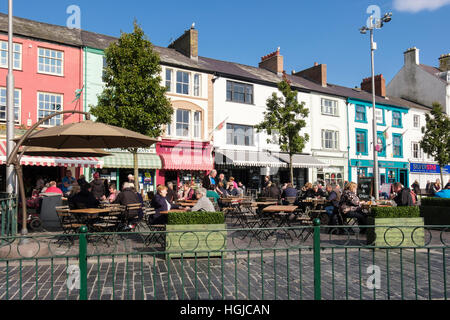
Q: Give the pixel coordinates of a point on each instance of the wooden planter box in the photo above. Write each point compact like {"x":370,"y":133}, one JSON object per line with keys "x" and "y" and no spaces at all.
{"x":392,"y":237}
{"x":435,"y":216}
{"x":192,"y":241}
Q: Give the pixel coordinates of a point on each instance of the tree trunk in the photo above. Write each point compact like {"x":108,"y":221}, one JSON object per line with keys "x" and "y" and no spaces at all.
{"x":291,"y":167}
{"x":136,"y":170}
{"x":442,"y":176}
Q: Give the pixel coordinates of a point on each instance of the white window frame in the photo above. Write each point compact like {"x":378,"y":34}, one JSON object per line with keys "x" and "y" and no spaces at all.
{"x":14,"y":58}
{"x":197,"y":87}
{"x":51,"y":58}
{"x":419,"y":150}
{"x":19,"y":106}
{"x":416,"y":116}
{"x":335,"y":108}
{"x":183,"y":83}
{"x":381,"y":114}
{"x":62,"y":108}
{"x":171,"y":89}
{"x":189,"y":123}
{"x":334,"y":142}
{"x":197,"y":125}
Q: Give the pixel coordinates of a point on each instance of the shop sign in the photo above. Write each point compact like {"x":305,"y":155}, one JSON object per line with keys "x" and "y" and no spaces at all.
{"x":428,"y":168}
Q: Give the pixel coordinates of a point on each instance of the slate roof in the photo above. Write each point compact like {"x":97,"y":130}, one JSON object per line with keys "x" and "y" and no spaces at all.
{"x":82,"y":38}
{"x":432,"y":70}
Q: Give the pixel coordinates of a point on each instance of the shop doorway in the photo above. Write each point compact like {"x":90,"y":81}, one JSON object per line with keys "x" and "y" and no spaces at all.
{"x":404,"y":177}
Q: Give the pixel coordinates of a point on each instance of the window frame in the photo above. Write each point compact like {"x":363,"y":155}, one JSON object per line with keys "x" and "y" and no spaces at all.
{"x":383,"y":123}
{"x":366,"y":139}
{"x":334,"y":141}
{"x":197,"y":125}
{"x":383,"y":153}
{"x":6,"y":66}
{"x":394,"y":136}
{"x":356,"y":113}
{"x":19,"y":106}
{"x":197,"y":86}
{"x":400,"y":119}
{"x":245,"y":92}
{"x":335,"y":107}
{"x":54,"y":119}
{"x":182,"y":83}
{"x":183,"y":123}
{"x":419,"y":150}
{"x":49,"y":72}
{"x":416,"y":116}
{"x":235,"y":137}
{"x":170,"y":82}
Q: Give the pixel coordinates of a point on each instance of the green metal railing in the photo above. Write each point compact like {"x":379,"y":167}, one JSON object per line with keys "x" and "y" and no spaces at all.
{"x":296,"y":263}
{"x":8,"y":212}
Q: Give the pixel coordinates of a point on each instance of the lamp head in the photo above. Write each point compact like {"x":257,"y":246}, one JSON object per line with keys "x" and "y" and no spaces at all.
{"x":363,"y":30}
{"x":387,"y":17}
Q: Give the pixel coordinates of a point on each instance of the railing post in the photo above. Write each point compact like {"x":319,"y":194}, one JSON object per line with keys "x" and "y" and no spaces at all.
{"x":83,"y":263}
{"x":317,"y":271}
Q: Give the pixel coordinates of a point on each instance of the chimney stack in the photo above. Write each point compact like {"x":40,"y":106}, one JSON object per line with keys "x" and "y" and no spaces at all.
{"x":380,"y":85}
{"x":444,"y":62}
{"x":187,"y":44}
{"x":273,"y":62}
{"x":317,"y":74}
{"x":412,"y":56}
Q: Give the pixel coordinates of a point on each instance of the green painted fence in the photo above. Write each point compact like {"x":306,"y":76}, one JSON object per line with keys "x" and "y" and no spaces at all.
{"x":292,"y":263}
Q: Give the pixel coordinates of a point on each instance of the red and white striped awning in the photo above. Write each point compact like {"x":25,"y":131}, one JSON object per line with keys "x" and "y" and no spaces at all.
{"x":82,"y":162}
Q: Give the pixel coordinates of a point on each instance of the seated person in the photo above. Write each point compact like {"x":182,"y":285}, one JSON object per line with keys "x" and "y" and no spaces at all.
{"x":203,"y":203}
{"x":231,"y":190}
{"x":188,"y":193}
{"x":317,"y":192}
{"x":172,"y":195}
{"x":289,"y":192}
{"x":53,"y":188}
{"x":272,"y":191}
{"x":160,"y":204}
{"x":403,"y":196}
{"x":113,"y":193}
{"x":213,"y":194}
{"x":350,"y":207}
{"x":332,"y":196}
{"x":83,"y":199}
{"x":126,"y":197}
{"x":221,"y":190}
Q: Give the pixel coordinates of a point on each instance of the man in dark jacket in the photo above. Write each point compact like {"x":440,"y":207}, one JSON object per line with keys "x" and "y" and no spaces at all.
{"x":289,"y":192}
{"x":403,"y":198}
{"x":83,"y":199}
{"x":98,"y":187}
{"x":126,"y":197}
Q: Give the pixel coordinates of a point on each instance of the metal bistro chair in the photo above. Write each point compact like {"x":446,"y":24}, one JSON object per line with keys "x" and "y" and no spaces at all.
{"x":69,"y":224}
{"x":157,"y":231}
{"x":130,"y":213}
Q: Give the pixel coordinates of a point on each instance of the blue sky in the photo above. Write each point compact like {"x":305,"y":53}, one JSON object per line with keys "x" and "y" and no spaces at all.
{"x":323,"y":31}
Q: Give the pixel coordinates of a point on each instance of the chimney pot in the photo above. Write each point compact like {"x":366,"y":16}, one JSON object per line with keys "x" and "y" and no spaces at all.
{"x":380,"y":85}
{"x":317,"y":74}
{"x":187,"y":44}
{"x":444,"y":62}
{"x":273,"y":62}
{"x":412,"y":56}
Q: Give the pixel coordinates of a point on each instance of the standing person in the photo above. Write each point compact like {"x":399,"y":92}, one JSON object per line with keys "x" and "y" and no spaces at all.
{"x":350,"y":206}
{"x":172,"y":195}
{"x":221,"y":189}
{"x":209,"y":182}
{"x":241,"y":187}
{"x":428,"y":187}
{"x":232,"y":180}
{"x":68,"y":182}
{"x":98,"y":187}
{"x":403,"y":196}
{"x":130,"y":178}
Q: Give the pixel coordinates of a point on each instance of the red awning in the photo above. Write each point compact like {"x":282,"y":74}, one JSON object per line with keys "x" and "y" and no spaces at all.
{"x":186,"y":155}
{"x":82,"y":162}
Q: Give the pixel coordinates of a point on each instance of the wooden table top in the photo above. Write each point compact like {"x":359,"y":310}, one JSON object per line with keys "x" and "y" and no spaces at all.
{"x":276,"y":209}
{"x":90,"y":211}
{"x":186,"y":204}
{"x":315,"y":200}
{"x":266,"y":203}
{"x":174,"y":210}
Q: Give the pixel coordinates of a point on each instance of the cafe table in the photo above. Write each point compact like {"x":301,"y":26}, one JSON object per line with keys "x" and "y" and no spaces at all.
{"x":280,"y":212}
{"x":88,"y":215}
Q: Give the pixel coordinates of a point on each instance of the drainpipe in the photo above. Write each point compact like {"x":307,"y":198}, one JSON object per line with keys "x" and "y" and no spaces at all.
{"x":348,"y":146}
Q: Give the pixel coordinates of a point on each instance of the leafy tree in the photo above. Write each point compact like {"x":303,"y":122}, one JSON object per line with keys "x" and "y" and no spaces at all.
{"x":133,"y":97}
{"x":283,"y":120}
{"x":436,"y":139}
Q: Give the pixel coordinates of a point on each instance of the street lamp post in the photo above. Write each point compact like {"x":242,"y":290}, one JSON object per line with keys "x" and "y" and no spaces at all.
{"x":10,"y":102}
{"x":375,"y":24}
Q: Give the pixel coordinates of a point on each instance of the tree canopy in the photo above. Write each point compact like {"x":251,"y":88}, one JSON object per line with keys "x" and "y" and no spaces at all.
{"x":133,"y":97}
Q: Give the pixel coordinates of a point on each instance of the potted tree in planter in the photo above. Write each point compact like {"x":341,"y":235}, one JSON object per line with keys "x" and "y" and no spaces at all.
{"x":396,"y":227}
{"x":195,"y":234}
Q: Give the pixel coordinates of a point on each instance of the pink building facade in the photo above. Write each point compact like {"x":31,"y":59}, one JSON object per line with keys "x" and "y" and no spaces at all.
{"x":47,"y":76}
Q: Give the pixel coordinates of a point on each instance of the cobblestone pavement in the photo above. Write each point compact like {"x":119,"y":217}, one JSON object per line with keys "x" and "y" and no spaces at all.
{"x":278,"y":268}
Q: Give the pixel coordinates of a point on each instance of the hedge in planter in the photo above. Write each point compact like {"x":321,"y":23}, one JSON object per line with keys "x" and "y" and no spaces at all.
{"x":402,"y":227}
{"x":196,"y":234}
{"x":435,"y":211}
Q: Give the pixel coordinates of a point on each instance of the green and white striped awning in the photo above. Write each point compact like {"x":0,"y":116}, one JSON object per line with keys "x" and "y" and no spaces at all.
{"x":124,"y":160}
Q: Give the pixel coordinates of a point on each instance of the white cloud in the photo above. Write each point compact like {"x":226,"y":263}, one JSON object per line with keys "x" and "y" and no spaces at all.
{"x":419,"y":5}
